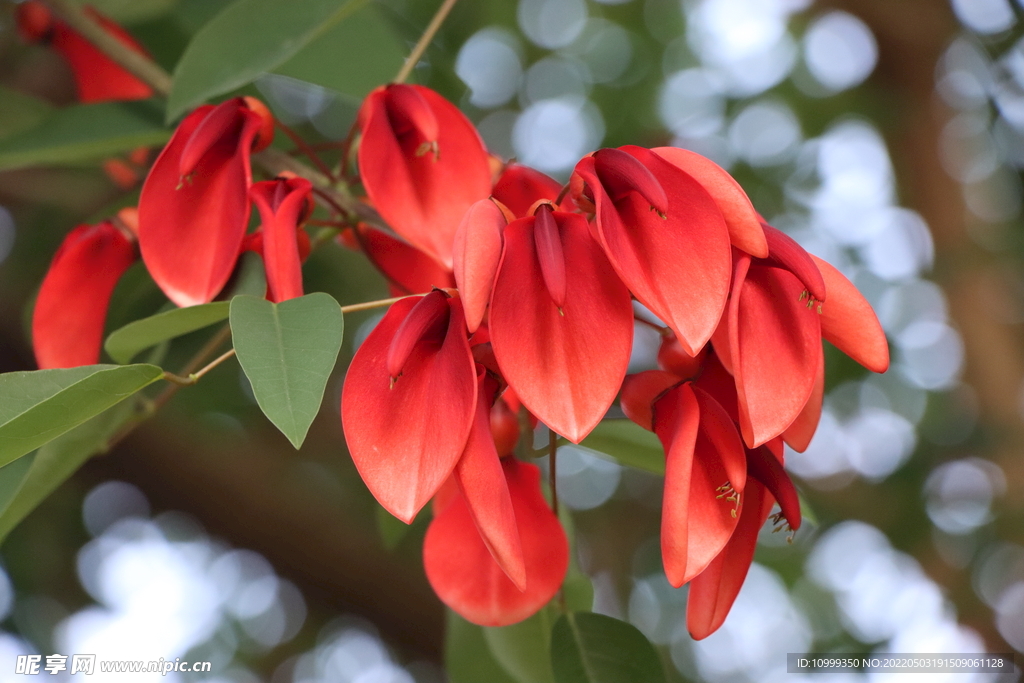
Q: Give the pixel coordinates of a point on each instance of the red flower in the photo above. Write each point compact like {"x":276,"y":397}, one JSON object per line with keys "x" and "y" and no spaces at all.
{"x":663,"y":233}
{"x":67,"y":323}
{"x":561,"y":322}
{"x":408,"y":270}
{"x":283,"y":203}
{"x":520,"y":187}
{"x":422,"y":164}
{"x":409,"y":401}
{"x":477,"y":253}
{"x":97,"y":77}
{"x":194,"y":207}
{"x":463,"y":571}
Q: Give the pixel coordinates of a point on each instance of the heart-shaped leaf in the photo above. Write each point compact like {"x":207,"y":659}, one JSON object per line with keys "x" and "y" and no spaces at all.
{"x":123,"y":344}
{"x":288,"y":351}
{"x":522,"y":649}
{"x":37,"y":407}
{"x":594,"y":648}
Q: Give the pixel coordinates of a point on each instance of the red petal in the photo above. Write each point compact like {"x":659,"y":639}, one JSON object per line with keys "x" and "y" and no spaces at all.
{"x":281,"y":233}
{"x":566,"y":366}
{"x":477,"y":252}
{"x":433,"y":403}
{"x":703,"y":456}
{"x":427,"y":322}
{"x":674,"y":359}
{"x":639,"y":393}
{"x":464,"y":574}
{"x":677,"y":266}
{"x":767,"y":469}
{"x":404,"y":265}
{"x":743,"y":221}
{"x":848,"y":321}
{"x":98,"y":77}
{"x":776,"y":345}
{"x":67,"y":323}
{"x":422,"y":195}
{"x":799,"y":434}
{"x":482,"y":482}
{"x":622,"y":174}
{"x":549,"y":254}
{"x":717,"y":381}
{"x":785,"y":252}
{"x":519,"y":187}
{"x":714,"y":590}
{"x":191,"y":231}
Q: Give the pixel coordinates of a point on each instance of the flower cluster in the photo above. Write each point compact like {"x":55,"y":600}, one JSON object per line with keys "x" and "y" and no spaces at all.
{"x":523,"y":297}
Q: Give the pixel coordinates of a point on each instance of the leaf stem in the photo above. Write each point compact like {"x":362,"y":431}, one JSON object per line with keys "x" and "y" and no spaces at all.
{"x":553,"y":465}
{"x":368,"y":305}
{"x":424,"y":41}
{"x":139,"y":65}
{"x":305,"y":149}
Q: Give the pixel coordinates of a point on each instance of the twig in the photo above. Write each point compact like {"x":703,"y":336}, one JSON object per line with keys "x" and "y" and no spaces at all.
{"x":553,"y":465}
{"x":305,"y":149}
{"x":424,"y":41}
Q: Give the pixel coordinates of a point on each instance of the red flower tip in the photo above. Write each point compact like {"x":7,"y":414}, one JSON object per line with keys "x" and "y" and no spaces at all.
{"x":283,"y":205}
{"x":519,"y":187}
{"x":621,"y":173}
{"x":766,"y":468}
{"x":463,"y":572}
{"x":848,"y":321}
{"x":266,"y":134}
{"x":673,"y":358}
{"x":426,"y":322}
{"x":212,"y":129}
{"x":784,"y":252}
{"x":504,"y":428}
{"x":410,"y":113}
{"x":34,"y":21}
{"x":476,"y":254}
{"x":549,"y":254}
{"x":67,"y":323}
{"x":640,"y":392}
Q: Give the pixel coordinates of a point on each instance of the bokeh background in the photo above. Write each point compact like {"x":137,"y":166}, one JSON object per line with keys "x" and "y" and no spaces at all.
{"x":885,"y":136}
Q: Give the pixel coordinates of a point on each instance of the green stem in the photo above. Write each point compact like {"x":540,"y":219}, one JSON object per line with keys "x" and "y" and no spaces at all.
{"x":424,"y":41}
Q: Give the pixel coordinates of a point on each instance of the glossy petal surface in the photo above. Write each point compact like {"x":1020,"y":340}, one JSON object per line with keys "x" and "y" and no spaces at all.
{"x":477,"y":253}
{"x":848,"y":321}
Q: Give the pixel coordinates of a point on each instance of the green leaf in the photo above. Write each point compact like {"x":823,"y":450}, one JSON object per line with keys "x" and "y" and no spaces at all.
{"x":578,"y":591}
{"x":246,"y":39}
{"x":26,"y":482}
{"x":523,"y":648}
{"x":391,"y":529}
{"x":249,"y":278}
{"x":466,"y":656}
{"x":125,"y":343}
{"x":37,"y":407}
{"x":353,"y":57}
{"x":593,"y":648}
{"x":19,"y":111}
{"x":83,"y":133}
{"x":288,"y":351}
{"x":629,"y":444}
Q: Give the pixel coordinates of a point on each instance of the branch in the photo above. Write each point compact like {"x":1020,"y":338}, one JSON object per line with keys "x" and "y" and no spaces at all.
{"x":139,"y":65}
{"x":424,"y":41}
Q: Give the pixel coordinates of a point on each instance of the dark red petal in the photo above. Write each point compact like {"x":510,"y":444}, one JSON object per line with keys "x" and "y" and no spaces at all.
{"x":786,"y":253}
{"x":408,"y":268}
{"x":482,"y":483}
{"x":639,"y":392}
{"x":622,"y":174}
{"x":674,"y":359}
{"x":409,"y":111}
{"x":549,"y":254}
{"x":427,"y":322}
{"x":220,"y":124}
{"x":477,"y":252}
{"x":713,"y":591}
{"x":717,"y":381}
{"x":97,"y":77}
{"x":191,"y":232}
{"x":677,"y":266}
{"x":281,"y":204}
{"x":67,"y":323}
{"x":421,"y":194}
{"x":799,"y":434}
{"x":566,"y":366}
{"x":519,"y":187}
{"x":743,"y":221}
{"x":464,"y":574}
{"x":720,"y":430}
{"x":405,"y":439}
{"x":848,"y":321}
{"x":777,"y":344}
{"x":767,"y":469}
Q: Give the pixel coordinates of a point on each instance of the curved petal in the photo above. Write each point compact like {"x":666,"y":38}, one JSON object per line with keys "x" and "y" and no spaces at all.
{"x":799,"y":434}
{"x":565,"y":366}
{"x":639,"y":393}
{"x":421,"y":187}
{"x":464,"y":574}
{"x":98,"y":77}
{"x":766,"y":468}
{"x":477,"y":253}
{"x":743,"y":221}
{"x":776,"y":345}
{"x":785,"y":252}
{"x":281,"y":204}
{"x":713,"y":591}
{"x":678,"y":266}
{"x":408,"y":268}
{"x":67,"y":323}
{"x":848,"y":321}
{"x":482,"y":483}
{"x":191,"y":229}
{"x":434,"y":401}
{"x":520,"y":187}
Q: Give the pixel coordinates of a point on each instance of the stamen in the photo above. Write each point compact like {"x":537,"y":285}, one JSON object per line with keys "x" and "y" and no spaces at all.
{"x":730,"y":494}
